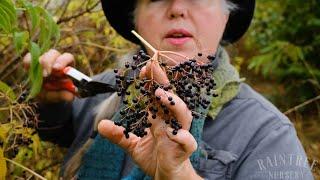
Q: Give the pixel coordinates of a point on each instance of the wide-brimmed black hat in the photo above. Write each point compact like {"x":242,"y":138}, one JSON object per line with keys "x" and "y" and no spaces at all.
{"x":120,"y":16}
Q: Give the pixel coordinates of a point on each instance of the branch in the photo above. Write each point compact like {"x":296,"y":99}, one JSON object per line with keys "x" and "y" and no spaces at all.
{"x":27,"y":169}
{"x":107,"y":48}
{"x":65,"y":5}
{"x":7,"y":66}
{"x":79,"y":14}
{"x":302,"y":105}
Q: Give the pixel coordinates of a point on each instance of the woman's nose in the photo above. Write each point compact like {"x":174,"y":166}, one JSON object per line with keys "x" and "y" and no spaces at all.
{"x":177,"y":9}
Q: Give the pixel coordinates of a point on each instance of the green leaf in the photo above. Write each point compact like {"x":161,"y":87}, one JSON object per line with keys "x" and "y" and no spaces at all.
{"x":5,"y":21}
{"x":3,"y":165}
{"x":34,"y":15}
{"x":20,"y":40}
{"x":7,"y":90}
{"x":4,"y":130}
{"x":35,"y":71}
{"x":36,"y":145}
{"x":9,"y":8}
{"x":314,"y":22}
{"x":8,"y":15}
{"x":50,"y":31}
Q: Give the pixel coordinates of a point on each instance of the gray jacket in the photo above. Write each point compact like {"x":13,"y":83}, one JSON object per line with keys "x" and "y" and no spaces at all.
{"x":249,"y":139}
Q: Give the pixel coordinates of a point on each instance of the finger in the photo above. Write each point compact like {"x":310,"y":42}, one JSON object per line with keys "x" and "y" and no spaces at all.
{"x":184,"y":138}
{"x":60,"y":84}
{"x":64,"y":60}
{"x":47,"y":60}
{"x":143,"y":72}
{"x":114,"y":133}
{"x":176,"y":106}
{"x":56,"y":96}
{"x":27,"y":61}
{"x":155,"y":72}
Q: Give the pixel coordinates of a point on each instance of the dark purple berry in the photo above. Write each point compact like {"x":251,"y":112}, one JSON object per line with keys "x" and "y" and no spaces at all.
{"x":175,"y":132}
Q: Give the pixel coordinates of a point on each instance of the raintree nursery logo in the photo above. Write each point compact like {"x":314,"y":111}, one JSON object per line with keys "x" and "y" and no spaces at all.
{"x":285,"y":166}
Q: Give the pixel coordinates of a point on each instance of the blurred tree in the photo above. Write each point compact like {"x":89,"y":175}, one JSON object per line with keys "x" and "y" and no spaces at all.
{"x":286,"y":37}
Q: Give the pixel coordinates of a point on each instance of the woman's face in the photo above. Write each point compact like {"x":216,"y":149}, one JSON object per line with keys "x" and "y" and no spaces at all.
{"x":183,"y":26}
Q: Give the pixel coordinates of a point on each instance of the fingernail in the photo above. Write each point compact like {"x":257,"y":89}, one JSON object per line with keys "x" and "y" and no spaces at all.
{"x":57,"y":66}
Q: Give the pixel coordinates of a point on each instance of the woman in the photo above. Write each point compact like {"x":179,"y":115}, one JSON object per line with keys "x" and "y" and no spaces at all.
{"x":243,"y":137}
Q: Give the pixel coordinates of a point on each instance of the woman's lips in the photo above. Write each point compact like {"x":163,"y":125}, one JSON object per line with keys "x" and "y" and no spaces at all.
{"x":178,"y":41}
{"x":178,"y":37}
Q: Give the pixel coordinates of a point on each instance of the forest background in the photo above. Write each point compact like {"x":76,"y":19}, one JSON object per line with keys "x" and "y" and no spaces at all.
{"x":279,"y":57}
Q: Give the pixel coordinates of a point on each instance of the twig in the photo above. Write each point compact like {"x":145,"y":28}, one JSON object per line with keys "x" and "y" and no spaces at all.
{"x":79,"y":14}
{"x":47,"y":4}
{"x":66,"y":5}
{"x":77,"y":40}
{"x":302,"y":105}
{"x":27,"y":24}
{"x":144,"y":42}
{"x":6,"y":67}
{"x":11,"y":70}
{"x":107,"y":48}
{"x":23,"y":167}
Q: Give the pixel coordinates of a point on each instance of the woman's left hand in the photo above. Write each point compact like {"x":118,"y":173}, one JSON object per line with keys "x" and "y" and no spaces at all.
{"x":160,"y":154}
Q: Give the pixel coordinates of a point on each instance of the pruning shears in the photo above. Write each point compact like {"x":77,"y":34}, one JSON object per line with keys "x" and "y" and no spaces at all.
{"x":80,"y":84}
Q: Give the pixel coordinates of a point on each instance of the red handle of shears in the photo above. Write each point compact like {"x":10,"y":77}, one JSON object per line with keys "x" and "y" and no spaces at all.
{"x":58,"y":80}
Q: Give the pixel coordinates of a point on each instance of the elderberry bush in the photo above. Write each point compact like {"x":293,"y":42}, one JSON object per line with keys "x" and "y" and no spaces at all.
{"x":191,"y":80}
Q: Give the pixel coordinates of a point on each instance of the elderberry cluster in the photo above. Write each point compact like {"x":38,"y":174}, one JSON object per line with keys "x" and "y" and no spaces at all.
{"x":192,"y":81}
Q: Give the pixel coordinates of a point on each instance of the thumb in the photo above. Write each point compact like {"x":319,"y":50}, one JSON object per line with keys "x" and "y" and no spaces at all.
{"x":155,"y":72}
{"x":184,"y":138}
{"x":114,"y":133}
{"x":26,"y":61}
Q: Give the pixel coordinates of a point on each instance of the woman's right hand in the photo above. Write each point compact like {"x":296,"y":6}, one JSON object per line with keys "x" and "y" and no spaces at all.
{"x":52,"y":61}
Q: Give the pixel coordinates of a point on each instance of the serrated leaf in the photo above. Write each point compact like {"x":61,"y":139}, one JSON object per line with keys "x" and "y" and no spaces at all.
{"x":3,"y":165}
{"x":8,"y":15}
{"x":50,"y":31}
{"x":35,"y":71}
{"x":4,"y":88}
{"x":9,"y":8}
{"x":20,"y":40}
{"x":44,"y":37}
{"x":5,"y":21}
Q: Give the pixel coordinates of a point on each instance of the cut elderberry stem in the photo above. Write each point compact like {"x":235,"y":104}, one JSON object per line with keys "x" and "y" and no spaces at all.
{"x":144,"y":41}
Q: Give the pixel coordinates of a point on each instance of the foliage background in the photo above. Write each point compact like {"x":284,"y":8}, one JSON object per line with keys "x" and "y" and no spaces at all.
{"x":278,"y":56}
